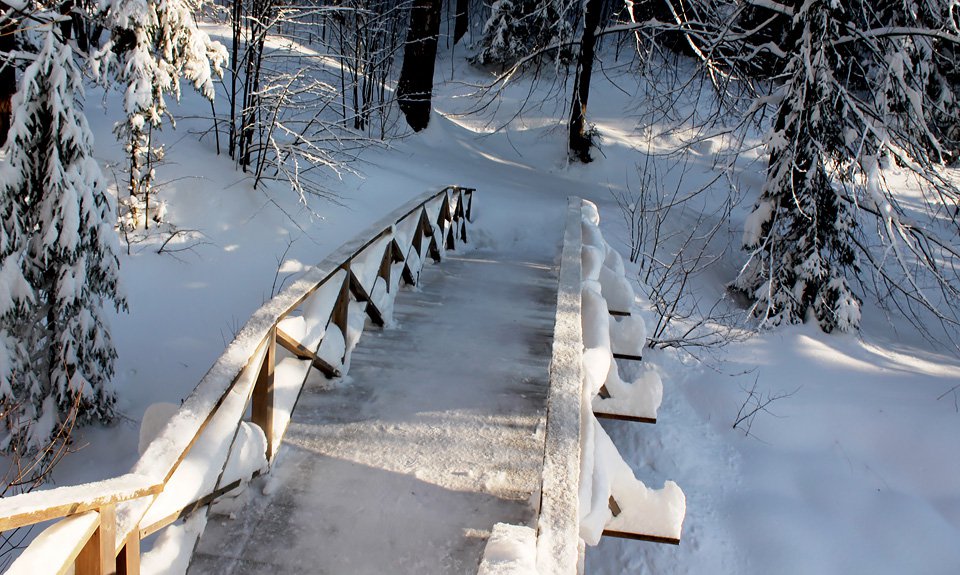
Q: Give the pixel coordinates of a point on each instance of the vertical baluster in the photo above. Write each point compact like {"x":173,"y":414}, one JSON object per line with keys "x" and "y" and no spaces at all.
{"x":342,"y":308}
{"x":98,"y":555}
{"x":128,"y":560}
{"x":262,"y":408}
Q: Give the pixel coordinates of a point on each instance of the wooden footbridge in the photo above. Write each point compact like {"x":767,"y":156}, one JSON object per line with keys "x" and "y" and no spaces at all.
{"x":464,"y":417}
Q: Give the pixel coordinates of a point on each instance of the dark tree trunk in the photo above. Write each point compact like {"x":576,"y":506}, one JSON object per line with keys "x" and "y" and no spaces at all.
{"x":462,"y":21}
{"x":415,"y":88}
{"x":8,"y":75}
{"x":580,"y":140}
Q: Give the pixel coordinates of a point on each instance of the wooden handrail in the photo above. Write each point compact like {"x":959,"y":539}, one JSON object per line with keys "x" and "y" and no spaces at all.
{"x":244,"y":358}
{"x":558,"y":527}
{"x":40,"y":506}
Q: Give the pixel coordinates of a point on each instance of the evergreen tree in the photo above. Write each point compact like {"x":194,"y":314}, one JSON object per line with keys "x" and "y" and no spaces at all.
{"x":799,"y":231}
{"x":153,"y":44}
{"x":518,"y":28}
{"x":59,"y":258}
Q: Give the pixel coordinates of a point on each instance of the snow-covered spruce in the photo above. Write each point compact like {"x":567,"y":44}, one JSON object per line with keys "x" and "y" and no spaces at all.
{"x":151,"y":46}
{"x":518,"y":28}
{"x":799,"y":233}
{"x":59,"y":258}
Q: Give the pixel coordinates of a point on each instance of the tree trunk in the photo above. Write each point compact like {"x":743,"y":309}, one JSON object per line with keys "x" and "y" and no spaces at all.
{"x":462,"y":21}
{"x":580,"y":140}
{"x":415,"y":88}
{"x":8,"y":75}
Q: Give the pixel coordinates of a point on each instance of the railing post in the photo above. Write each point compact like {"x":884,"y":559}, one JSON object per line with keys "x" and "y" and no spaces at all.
{"x":262,"y":408}
{"x":98,"y":556}
{"x":128,"y":560}
{"x":469,"y":194}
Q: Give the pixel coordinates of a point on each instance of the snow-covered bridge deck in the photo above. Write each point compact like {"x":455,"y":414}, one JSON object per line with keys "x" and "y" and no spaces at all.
{"x":436,"y":434}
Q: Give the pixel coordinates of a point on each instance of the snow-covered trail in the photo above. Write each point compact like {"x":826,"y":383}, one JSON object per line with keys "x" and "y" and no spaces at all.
{"x":435,"y":435}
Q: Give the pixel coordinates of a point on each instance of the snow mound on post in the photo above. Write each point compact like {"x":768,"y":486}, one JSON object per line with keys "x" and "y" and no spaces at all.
{"x":610,"y":496}
{"x":511,"y":550}
{"x":153,"y":421}
{"x":628,"y":335}
{"x":641,"y":398}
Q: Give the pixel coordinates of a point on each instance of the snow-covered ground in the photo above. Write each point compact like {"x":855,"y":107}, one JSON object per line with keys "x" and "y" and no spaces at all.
{"x":853,"y":470}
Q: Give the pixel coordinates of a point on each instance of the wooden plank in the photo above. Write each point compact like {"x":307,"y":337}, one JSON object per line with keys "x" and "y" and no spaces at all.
{"x":451,"y":243}
{"x":360,"y":294}
{"x":57,"y":546}
{"x":342,"y":307}
{"x":397,"y":252}
{"x":262,"y":408}
{"x":640,"y":537}
{"x":189,"y":508}
{"x":385,"y":271}
{"x":407,"y":276}
{"x":624,"y":417}
{"x":418,"y":238}
{"x":128,"y":560}
{"x":620,"y":313}
{"x":469,"y":192}
{"x":39,"y":506}
{"x":444,"y":215}
{"x":296,"y":348}
{"x":434,"y":249}
{"x":627,"y":356}
{"x":97,"y":555}
{"x":425,"y":222}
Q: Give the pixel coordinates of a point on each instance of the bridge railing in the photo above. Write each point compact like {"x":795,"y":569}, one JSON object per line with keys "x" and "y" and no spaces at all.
{"x":587,"y":489}
{"x":208,"y":447}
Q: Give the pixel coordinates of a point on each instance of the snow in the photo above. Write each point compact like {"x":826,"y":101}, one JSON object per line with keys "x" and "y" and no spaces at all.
{"x":640,"y":398}
{"x":558,"y":548}
{"x":628,"y":335}
{"x":603,"y":472}
{"x":200,"y":471}
{"x":317,"y":309}
{"x":155,"y":417}
{"x":88,"y":494}
{"x":288,"y":378}
{"x":48,"y":548}
{"x":510,"y":550}
{"x":170,"y":554}
{"x":854,"y":473}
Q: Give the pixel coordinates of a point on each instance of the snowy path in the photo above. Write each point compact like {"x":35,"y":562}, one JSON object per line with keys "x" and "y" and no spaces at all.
{"x":433,"y":437}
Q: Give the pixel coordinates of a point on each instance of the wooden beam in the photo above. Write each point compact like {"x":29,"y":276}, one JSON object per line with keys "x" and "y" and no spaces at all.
{"x":341,"y":309}
{"x":620,"y":313}
{"x":451,"y":243}
{"x":262,"y":403}
{"x":469,"y":192}
{"x":628,"y":356}
{"x":444,"y":215}
{"x":189,"y":508}
{"x":624,"y":417}
{"x":425,"y":223}
{"x":640,"y":537}
{"x":360,"y":294}
{"x":128,"y":560}
{"x":434,"y":249}
{"x":287,"y":342}
{"x":407,"y":276}
{"x":70,"y":534}
{"x":98,"y":556}
{"x":39,"y":506}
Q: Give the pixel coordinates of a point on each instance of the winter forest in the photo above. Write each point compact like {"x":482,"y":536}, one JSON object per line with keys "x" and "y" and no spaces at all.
{"x":780,"y":177}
